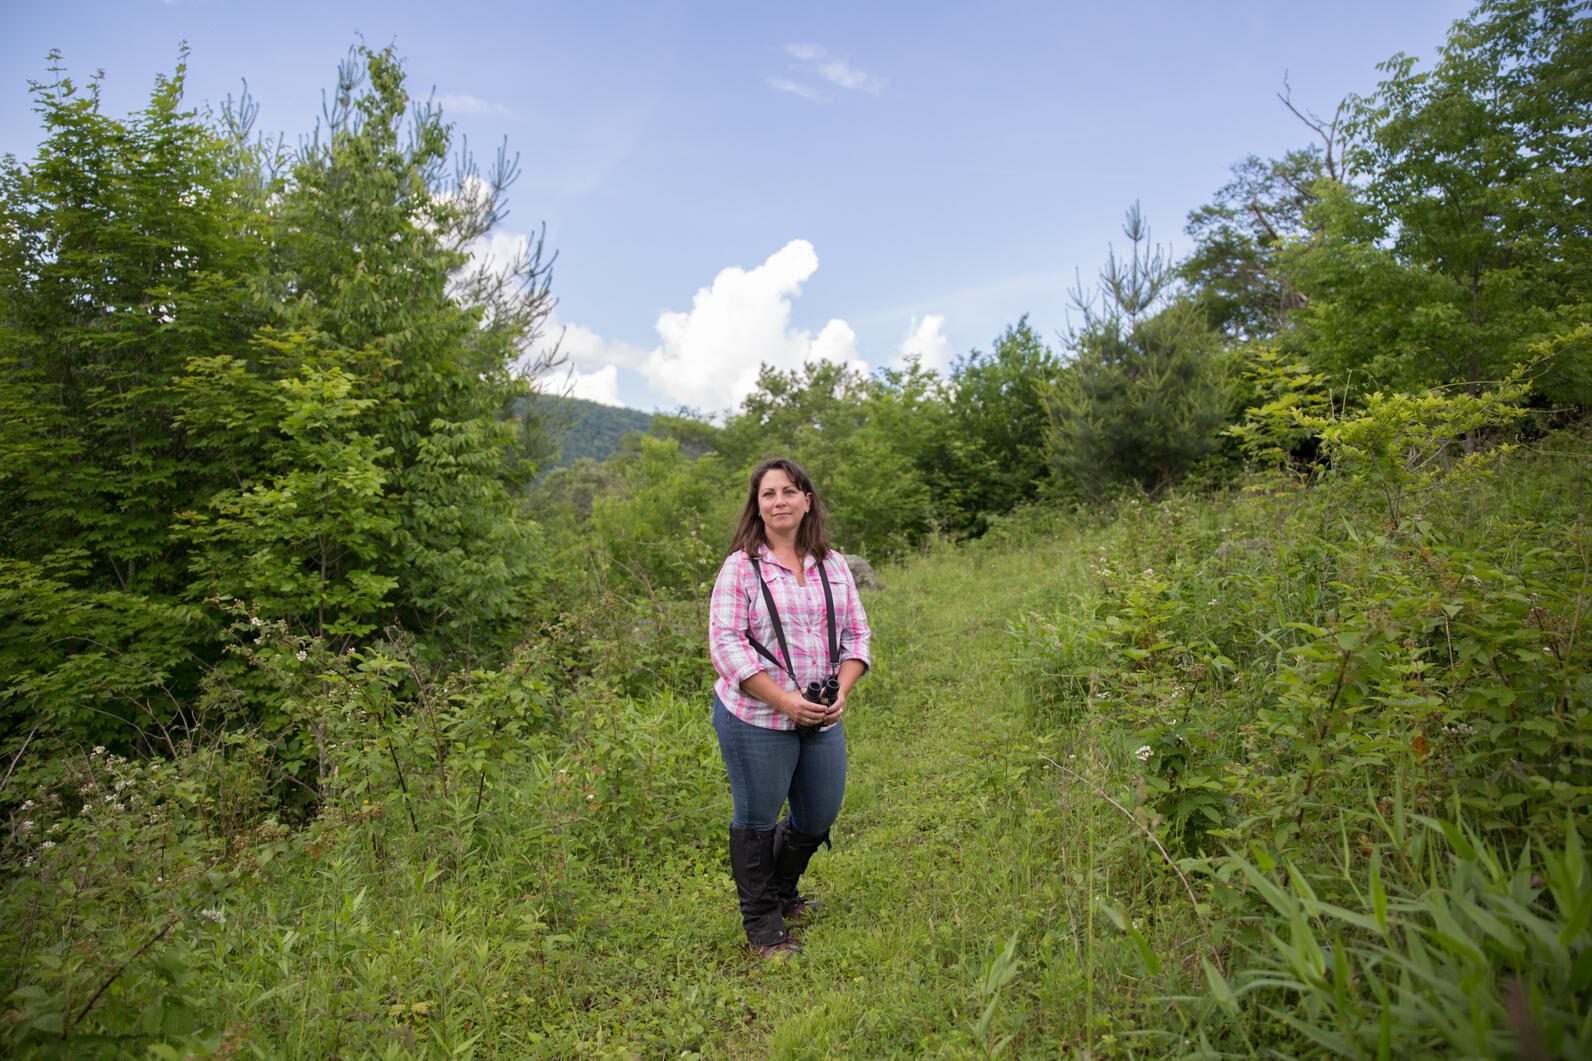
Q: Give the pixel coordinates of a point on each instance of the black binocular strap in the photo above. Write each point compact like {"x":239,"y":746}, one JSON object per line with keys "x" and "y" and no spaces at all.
{"x":779,"y":628}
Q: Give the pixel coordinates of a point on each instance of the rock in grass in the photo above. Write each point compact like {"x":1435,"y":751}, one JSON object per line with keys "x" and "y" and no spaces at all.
{"x":862,"y":572}
{"x":1245,"y":545}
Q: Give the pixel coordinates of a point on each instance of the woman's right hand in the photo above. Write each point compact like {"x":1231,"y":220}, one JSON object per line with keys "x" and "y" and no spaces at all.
{"x":788,"y":702}
{"x":795,"y":706}
{"x":801,"y":710}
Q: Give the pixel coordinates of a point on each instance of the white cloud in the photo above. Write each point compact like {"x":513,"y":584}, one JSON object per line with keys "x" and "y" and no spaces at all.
{"x":926,"y":341}
{"x":804,"y":91}
{"x":816,"y":60}
{"x":589,"y":362}
{"x":498,"y":252}
{"x":599,"y":386}
{"x":585,"y":349}
{"x":709,"y":356}
{"x":464,"y":103}
{"x":838,"y":73}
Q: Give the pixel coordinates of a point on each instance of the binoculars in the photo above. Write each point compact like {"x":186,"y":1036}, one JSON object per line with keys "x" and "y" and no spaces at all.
{"x":825,"y":692}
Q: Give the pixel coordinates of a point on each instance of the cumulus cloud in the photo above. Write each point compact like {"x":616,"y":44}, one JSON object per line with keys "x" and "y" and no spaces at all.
{"x":590,"y":363}
{"x":926,"y":341}
{"x":599,"y":386}
{"x":710,"y":355}
{"x":498,"y":252}
{"x":814,"y":60}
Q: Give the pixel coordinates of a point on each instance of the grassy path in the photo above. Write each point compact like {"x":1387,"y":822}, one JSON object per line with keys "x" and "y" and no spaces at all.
{"x":940,"y":855}
{"x":587,"y":910}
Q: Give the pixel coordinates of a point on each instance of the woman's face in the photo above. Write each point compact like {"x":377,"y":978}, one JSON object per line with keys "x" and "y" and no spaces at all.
{"x":780,"y":503}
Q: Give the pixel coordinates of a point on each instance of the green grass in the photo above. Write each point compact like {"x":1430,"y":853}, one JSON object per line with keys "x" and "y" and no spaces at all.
{"x":996,"y":829}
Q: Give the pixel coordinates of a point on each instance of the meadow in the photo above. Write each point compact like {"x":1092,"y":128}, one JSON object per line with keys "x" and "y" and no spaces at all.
{"x":1259,"y":773}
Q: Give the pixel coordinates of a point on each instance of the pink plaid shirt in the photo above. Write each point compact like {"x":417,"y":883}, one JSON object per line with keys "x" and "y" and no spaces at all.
{"x":738,"y":606}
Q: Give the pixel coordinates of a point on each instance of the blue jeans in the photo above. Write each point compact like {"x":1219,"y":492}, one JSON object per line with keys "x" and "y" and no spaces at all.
{"x":769,"y":766}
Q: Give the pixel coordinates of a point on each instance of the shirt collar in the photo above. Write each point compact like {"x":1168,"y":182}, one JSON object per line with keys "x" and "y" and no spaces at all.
{"x":766,"y":555}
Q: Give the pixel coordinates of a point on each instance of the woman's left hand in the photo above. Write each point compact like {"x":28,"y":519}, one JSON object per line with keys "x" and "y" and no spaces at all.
{"x":835,"y":709}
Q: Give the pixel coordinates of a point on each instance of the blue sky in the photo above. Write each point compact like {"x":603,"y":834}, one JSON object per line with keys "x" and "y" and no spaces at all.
{"x":732,"y":183}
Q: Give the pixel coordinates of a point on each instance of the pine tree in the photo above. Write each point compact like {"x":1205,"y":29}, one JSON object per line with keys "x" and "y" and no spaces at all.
{"x":1145,"y":392}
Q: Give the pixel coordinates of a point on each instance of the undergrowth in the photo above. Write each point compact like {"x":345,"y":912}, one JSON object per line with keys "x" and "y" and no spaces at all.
{"x":1276,"y":773}
{"x":1358,"y":725}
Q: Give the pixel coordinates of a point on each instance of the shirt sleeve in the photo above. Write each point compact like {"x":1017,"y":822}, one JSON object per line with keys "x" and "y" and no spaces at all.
{"x":855,"y":636}
{"x":728,"y":614}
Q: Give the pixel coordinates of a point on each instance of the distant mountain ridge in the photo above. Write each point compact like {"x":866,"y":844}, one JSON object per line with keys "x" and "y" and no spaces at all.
{"x":594,"y":430}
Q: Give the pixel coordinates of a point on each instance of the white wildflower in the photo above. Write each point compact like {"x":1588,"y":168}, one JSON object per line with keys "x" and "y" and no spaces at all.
{"x":218,"y":916}
{"x":47,"y":845}
{"x":1144,"y":753}
{"x":29,"y":805}
{"x":26,"y":826}
{"x":302,"y":655}
{"x":99,"y":749}
{"x":254,"y":621}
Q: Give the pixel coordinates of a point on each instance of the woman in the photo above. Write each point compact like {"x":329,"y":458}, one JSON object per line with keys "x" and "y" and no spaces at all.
{"x":785,"y":614}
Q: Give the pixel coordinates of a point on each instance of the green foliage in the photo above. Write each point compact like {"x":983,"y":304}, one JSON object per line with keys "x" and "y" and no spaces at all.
{"x":1237,"y":270}
{"x":1468,"y":242}
{"x":1448,"y":946}
{"x":1405,"y":444}
{"x":665,"y":528}
{"x":870,"y":447}
{"x":1306,"y":685}
{"x":304,"y":541}
{"x":793,"y":412}
{"x":219,"y":382}
{"x":127,"y":247}
{"x":1283,"y":403}
{"x":994,"y":454}
{"x":1146,"y":392}
{"x":527,"y":859}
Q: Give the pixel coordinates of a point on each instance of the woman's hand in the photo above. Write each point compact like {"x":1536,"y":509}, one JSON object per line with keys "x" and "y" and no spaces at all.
{"x":832,"y":712}
{"x":803,"y":711}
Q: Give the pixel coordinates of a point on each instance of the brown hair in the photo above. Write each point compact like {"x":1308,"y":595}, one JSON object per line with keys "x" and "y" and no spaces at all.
{"x":811,"y":540}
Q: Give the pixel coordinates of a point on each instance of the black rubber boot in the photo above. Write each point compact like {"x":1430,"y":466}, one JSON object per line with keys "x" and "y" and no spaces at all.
{"x":752,"y":863}
{"x":792,"y":851}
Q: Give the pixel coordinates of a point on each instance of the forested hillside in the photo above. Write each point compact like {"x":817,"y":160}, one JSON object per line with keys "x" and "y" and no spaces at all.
{"x":586,"y":430}
{"x":1232,"y":690}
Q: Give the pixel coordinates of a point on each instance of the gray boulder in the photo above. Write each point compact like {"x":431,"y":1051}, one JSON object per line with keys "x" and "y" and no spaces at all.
{"x":862,"y":572}
{"x":1245,"y":546}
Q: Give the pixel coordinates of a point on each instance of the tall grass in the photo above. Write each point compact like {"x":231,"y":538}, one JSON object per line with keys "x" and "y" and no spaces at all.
{"x":1201,"y":777}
